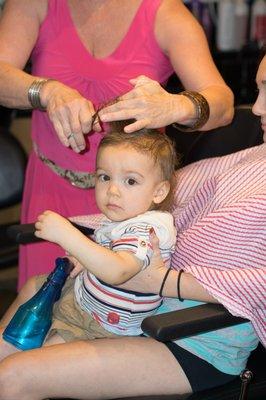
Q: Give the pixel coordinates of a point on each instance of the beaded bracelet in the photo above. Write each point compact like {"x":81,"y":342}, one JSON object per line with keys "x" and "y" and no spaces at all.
{"x":34,"y":93}
{"x":178,"y":285}
{"x":202,"y":111}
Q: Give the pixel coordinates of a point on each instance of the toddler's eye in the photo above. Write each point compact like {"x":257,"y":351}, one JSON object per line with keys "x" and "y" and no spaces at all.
{"x":103,"y":178}
{"x":131,"y":181}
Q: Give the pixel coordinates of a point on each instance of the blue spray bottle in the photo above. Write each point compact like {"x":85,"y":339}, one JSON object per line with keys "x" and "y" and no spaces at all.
{"x":30,"y":324}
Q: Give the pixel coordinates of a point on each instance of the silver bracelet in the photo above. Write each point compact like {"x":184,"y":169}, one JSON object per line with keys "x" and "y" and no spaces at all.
{"x":34,"y":93}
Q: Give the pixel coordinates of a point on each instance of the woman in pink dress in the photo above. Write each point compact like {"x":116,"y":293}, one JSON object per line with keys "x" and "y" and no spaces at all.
{"x":90,"y":52}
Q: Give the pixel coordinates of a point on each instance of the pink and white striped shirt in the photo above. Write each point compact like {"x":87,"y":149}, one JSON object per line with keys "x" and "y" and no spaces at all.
{"x":220,"y":217}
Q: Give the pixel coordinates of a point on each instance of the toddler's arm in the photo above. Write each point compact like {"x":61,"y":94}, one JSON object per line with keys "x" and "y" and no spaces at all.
{"x":112,"y":267}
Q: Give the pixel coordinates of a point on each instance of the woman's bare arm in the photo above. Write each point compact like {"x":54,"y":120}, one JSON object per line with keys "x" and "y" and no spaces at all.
{"x":182,"y":38}
{"x":19,"y":28}
{"x":150,"y":280}
{"x":67,"y":109}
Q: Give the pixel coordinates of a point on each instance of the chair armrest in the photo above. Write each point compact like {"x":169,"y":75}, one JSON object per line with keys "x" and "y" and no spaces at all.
{"x":189,"y":322}
{"x":24,"y":233}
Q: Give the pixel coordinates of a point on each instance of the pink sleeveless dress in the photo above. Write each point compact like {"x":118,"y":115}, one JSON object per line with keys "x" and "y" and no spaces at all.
{"x":60,"y":54}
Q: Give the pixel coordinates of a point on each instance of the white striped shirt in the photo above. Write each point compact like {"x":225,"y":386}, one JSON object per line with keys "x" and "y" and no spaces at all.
{"x":117,"y":310}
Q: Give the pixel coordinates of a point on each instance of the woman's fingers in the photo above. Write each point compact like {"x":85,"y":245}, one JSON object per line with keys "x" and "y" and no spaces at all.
{"x":151,"y":86}
{"x":136,"y":126}
{"x":120,"y":112}
{"x":59,"y":131}
{"x":141,"y":80}
{"x":135,"y":109}
{"x":71,"y":115}
{"x":76,"y":135}
{"x":155,"y":244}
{"x":87,"y":121}
{"x":148,"y":103}
{"x":76,"y":141}
{"x":67,"y":126}
{"x":77,"y":266}
{"x":65,"y":133}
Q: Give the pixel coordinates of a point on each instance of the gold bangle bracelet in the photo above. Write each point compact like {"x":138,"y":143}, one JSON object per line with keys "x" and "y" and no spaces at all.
{"x":202,"y":111}
{"x":34,"y":93}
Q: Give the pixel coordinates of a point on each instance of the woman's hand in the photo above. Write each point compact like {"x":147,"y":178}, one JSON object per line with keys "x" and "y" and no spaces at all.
{"x":150,"y":279}
{"x":78,"y":268}
{"x":70,"y":113}
{"x":148,"y":103}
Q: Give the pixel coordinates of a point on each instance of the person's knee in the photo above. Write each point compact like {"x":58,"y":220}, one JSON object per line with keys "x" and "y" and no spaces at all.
{"x":11,"y":382}
{"x":6,"y":348}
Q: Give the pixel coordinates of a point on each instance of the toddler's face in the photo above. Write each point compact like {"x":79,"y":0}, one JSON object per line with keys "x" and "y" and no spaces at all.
{"x":127,"y":183}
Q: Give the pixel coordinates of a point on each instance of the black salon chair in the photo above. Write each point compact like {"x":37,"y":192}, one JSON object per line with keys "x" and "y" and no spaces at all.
{"x":244,"y":132}
{"x":12,"y":170}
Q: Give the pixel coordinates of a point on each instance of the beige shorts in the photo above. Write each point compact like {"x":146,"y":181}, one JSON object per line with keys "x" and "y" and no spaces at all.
{"x":69,"y":320}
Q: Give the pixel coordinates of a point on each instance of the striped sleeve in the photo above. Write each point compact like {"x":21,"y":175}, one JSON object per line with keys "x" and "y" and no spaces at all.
{"x":222,"y":234}
{"x":89,"y":221}
{"x":137,"y":243}
{"x":226,"y":253}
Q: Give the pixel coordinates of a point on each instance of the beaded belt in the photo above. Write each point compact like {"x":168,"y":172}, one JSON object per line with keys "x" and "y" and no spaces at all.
{"x":82,"y":180}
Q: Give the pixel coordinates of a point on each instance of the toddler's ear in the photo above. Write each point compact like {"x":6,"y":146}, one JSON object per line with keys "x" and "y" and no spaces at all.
{"x":161,"y":191}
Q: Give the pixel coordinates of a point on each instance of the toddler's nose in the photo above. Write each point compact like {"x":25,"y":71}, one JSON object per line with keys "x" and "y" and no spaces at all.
{"x":113,"y":189}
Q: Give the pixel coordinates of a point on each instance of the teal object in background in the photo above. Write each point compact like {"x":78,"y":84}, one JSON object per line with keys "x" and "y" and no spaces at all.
{"x":30,"y":324}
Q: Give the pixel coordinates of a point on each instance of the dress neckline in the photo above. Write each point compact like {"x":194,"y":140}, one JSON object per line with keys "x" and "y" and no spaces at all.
{"x":120,"y":44}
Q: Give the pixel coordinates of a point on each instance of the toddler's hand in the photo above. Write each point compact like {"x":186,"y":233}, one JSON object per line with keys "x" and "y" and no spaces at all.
{"x":53,"y":227}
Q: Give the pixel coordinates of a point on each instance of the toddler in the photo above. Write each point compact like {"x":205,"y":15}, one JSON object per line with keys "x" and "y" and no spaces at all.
{"x":134,"y":184}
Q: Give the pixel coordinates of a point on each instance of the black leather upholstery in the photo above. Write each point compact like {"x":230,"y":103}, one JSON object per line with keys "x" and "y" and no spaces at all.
{"x":244,"y":131}
{"x":12,"y":170}
{"x":12,"y":167}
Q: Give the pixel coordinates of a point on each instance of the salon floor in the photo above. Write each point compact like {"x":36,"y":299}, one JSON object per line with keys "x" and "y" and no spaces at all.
{"x":20,"y":128}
